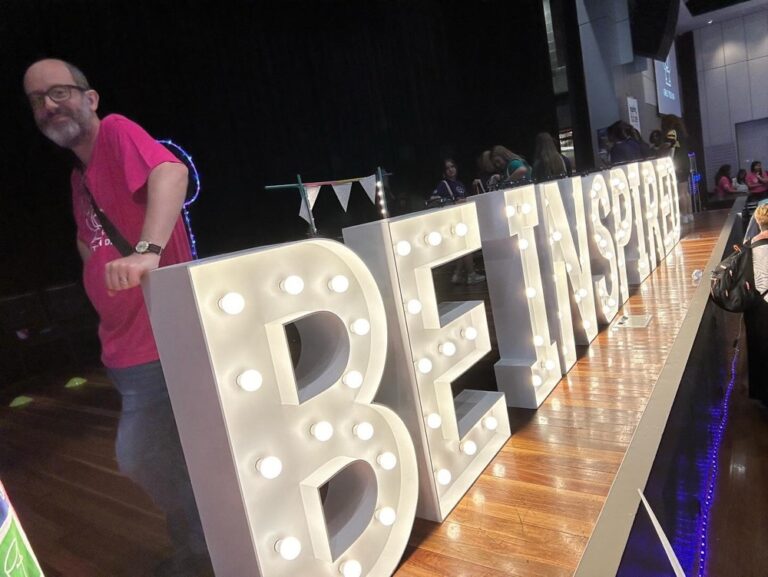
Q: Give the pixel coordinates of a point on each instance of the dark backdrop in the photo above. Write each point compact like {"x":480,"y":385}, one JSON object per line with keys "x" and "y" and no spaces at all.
{"x":259,"y":93}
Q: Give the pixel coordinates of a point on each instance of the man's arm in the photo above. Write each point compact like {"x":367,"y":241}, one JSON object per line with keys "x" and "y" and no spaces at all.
{"x":85,"y":252}
{"x":166,"y":190}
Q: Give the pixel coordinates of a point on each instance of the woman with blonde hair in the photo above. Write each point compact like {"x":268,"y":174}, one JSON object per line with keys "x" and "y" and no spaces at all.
{"x":547,"y":160}
{"x":511,"y":167}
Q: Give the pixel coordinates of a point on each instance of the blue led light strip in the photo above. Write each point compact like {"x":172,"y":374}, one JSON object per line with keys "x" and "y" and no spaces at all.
{"x":196,"y":179}
{"x":714,"y":456}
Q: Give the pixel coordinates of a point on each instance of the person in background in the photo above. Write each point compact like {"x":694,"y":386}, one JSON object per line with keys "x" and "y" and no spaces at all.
{"x":510,"y":167}
{"x":740,"y":181}
{"x":485,"y":171}
{"x":756,"y":180}
{"x":452,"y":190}
{"x":655,"y":139}
{"x":141,"y":186}
{"x":676,"y":145}
{"x":625,"y":148}
{"x":548,"y":163}
{"x":723,"y":184}
{"x":756,"y":319}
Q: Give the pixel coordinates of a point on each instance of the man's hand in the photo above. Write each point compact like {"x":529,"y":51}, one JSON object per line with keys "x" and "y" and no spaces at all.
{"x":126,"y":272}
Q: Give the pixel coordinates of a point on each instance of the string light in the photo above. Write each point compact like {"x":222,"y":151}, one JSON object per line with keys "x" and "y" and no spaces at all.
{"x":196,"y":179}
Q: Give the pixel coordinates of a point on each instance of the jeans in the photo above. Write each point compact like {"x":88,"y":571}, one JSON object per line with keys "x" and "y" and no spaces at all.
{"x":149,"y":452}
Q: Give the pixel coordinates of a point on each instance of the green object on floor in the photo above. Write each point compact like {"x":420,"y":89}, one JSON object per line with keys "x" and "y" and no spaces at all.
{"x":75,"y":382}
{"x":20,"y":402}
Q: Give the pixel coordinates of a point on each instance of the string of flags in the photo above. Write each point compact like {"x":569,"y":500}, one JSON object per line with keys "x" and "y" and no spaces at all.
{"x":342,"y":188}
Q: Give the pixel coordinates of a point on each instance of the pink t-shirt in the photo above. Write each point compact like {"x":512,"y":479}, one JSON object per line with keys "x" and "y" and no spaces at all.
{"x":123,"y":157}
{"x":724,"y":185}
{"x":754,"y":184}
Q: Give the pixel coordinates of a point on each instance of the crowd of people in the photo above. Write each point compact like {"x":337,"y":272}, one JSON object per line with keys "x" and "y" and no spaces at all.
{"x":753,"y":182}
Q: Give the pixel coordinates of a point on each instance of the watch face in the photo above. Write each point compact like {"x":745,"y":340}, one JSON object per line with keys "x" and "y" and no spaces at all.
{"x":142,"y":246}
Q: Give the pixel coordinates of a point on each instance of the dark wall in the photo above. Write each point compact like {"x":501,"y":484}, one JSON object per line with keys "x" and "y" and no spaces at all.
{"x":261,"y":93}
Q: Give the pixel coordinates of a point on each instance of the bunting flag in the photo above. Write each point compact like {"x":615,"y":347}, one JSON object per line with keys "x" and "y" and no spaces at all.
{"x":342,"y":193}
{"x":312,"y":192}
{"x":369,"y":185}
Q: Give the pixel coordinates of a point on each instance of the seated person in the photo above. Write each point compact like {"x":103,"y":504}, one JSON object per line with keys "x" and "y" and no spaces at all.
{"x":723,"y":184}
{"x":757,"y":182}
{"x":511,"y":167}
{"x":740,"y":182}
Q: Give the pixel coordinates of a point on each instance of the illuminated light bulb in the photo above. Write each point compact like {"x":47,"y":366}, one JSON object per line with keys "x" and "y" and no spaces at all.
{"x":424,"y":366}
{"x":597,"y":185}
{"x":351,"y":568}
{"x":413,"y":306}
{"x":363,"y":431}
{"x":587,"y":324}
{"x":490,"y":423}
{"x":526,"y":208}
{"x":339,"y":284}
{"x":269,"y":467}
{"x":289,"y":548}
{"x":549,"y":364}
{"x":649,"y":214}
{"x":583,"y":293}
{"x":460,"y":229}
{"x":379,"y":184}
{"x":609,"y":255}
{"x":360,"y":327}
{"x":384,"y":212}
{"x":353,"y":379}
{"x":322,"y":431}
{"x":443,"y":476}
{"x":611,"y":302}
{"x":434,"y":421}
{"x":292,"y":284}
{"x":620,"y":234}
{"x":536,"y":380}
{"x":469,"y":333}
{"x":602,"y":243}
{"x":593,"y":193}
{"x":447,"y":349}
{"x":522,"y":243}
{"x":577,"y":298}
{"x":601,"y":291}
{"x":625,"y":225}
{"x":557,"y":235}
{"x":615,"y":182}
{"x":530,"y":292}
{"x":434,"y":238}
{"x":622,"y":186}
{"x":386,"y":516}
{"x":510,"y":210}
{"x":538,"y":340}
{"x":598,"y":238}
{"x":468,"y":448}
{"x":250,"y":380}
{"x":568,"y":267}
{"x":387,"y":461}
{"x":565,"y":350}
{"x":593,"y":217}
{"x":645,"y":172}
{"x":403,"y":248}
{"x":232,"y":303}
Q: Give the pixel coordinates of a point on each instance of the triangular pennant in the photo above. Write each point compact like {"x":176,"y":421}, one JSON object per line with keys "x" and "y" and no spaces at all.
{"x":369,"y":185}
{"x":312,"y":192}
{"x":342,"y":193}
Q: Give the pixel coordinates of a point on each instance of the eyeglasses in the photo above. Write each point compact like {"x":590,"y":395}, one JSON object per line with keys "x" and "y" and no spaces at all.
{"x":57,"y":93}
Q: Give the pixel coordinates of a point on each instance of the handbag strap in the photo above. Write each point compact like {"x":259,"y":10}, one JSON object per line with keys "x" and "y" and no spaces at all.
{"x":450,"y":190}
{"x":117,"y":239}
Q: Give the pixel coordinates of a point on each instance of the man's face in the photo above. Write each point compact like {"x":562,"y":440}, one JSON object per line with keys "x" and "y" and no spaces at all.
{"x":67,"y":122}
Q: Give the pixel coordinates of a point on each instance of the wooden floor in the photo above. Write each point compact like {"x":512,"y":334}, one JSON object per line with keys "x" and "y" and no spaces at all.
{"x":529,"y":514}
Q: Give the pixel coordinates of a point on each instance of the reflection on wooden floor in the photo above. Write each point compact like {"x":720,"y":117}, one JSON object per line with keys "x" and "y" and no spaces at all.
{"x":529,"y":514}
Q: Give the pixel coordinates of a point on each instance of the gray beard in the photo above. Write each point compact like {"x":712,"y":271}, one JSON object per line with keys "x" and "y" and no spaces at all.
{"x":65,"y":135}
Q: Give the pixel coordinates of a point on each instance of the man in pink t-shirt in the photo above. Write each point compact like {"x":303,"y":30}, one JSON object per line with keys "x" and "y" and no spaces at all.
{"x":140,"y":186}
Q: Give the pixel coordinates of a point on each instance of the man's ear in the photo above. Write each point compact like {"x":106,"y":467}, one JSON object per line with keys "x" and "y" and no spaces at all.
{"x":93,"y":99}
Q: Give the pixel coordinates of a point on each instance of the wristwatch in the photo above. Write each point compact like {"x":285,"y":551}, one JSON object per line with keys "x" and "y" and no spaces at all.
{"x":144,"y":246}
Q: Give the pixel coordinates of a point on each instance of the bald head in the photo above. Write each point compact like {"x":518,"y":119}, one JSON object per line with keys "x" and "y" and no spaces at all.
{"x":63,"y":104}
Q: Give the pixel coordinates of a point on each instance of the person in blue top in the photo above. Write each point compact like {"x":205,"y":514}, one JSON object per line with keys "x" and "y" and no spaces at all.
{"x":451,"y":190}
